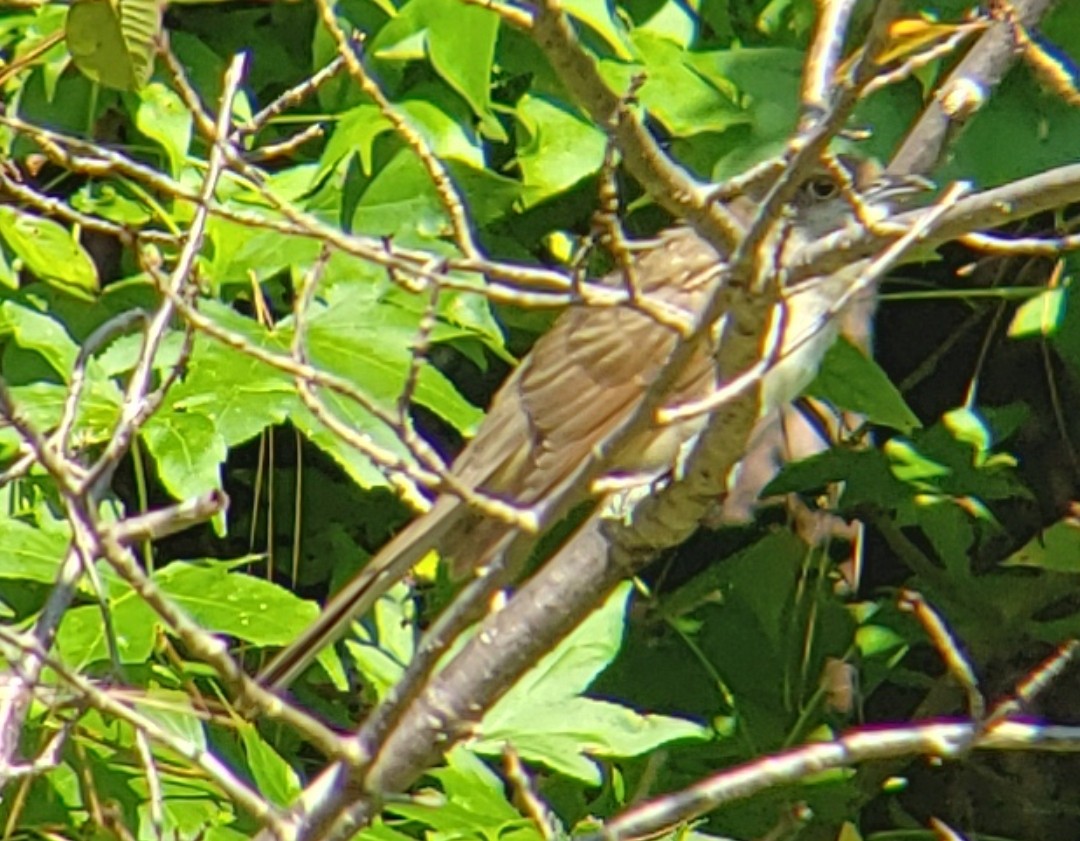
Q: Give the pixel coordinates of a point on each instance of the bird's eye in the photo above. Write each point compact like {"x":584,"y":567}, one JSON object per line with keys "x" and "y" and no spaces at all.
{"x":821,"y":188}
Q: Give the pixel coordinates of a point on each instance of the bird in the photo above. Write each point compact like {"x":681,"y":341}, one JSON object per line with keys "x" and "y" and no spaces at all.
{"x":579,"y":384}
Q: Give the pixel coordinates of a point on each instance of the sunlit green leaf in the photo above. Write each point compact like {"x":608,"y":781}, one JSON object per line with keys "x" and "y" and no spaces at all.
{"x":29,"y":552}
{"x":675,"y":21}
{"x":548,"y":721}
{"x":244,"y":606}
{"x":460,"y":42}
{"x":600,"y":16}
{"x":188,"y":450}
{"x":967,"y":425}
{"x":557,"y":147}
{"x":162,"y":116}
{"x":447,"y":133}
{"x":474,"y":802}
{"x":172,"y":711}
{"x":111,"y":203}
{"x":83,"y":637}
{"x":276,"y":780}
{"x":1039,"y":316}
{"x":49,"y":251}
{"x":39,"y":332}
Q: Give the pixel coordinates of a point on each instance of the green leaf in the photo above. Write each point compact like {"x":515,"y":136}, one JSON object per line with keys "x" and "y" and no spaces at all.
{"x":1067,"y":340}
{"x":768,"y":81}
{"x":30,"y":553}
{"x":39,"y":332}
{"x":911,"y":465}
{"x":600,"y":16}
{"x":851,"y":380}
{"x":430,"y":110}
{"x":354,"y":132}
{"x":556,"y":148}
{"x":82,"y":636}
{"x":546,"y":720}
{"x":1041,"y":315}
{"x":111,"y":202}
{"x":867,"y":477}
{"x":371,"y":346}
{"x":675,"y":21}
{"x":42,"y":404}
{"x":968,"y":426}
{"x":49,"y":251}
{"x":1056,"y":548}
{"x":381,"y":650}
{"x":474,"y":804}
{"x":9,"y":277}
{"x":112,"y":41}
{"x":162,"y":116}
{"x":273,"y":776}
{"x":188,"y":451}
{"x":706,"y":101}
{"x":461,"y":44}
{"x":228,"y":398}
{"x":171,"y":710}
{"x":459,"y":40}
{"x":243,"y":606}
{"x":401,"y":199}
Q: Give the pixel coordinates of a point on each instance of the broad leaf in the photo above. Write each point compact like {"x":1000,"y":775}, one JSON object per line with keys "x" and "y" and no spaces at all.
{"x":556,"y":147}
{"x":30,"y":553}
{"x":273,"y":776}
{"x":547,"y":720}
{"x":460,"y":43}
{"x":851,"y":380}
{"x":112,"y":41}
{"x":49,"y":250}
{"x":243,"y":606}
{"x":1057,"y":548}
{"x":162,"y":116}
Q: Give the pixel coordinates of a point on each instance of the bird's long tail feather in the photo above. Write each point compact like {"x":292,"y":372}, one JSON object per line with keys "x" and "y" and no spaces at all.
{"x":357,"y":597}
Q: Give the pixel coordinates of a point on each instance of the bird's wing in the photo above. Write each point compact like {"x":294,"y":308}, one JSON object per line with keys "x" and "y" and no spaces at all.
{"x":586,"y":377}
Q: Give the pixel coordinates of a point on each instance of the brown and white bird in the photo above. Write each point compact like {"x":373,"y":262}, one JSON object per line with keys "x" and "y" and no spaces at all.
{"x":579,"y":384}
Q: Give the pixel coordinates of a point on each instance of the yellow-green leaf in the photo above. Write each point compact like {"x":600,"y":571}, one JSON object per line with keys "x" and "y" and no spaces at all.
{"x":1041,"y":315}
{"x":162,"y":117}
{"x":112,"y":41}
{"x":48,"y":250}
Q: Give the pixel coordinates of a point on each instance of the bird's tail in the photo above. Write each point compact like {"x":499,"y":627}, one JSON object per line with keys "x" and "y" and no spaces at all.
{"x":358,"y":596}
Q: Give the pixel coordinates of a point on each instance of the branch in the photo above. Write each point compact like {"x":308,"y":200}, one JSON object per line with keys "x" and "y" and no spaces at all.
{"x":965,"y":91}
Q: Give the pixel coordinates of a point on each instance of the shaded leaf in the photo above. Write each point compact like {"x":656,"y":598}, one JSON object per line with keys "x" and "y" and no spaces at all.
{"x":112,"y":41}
{"x":851,"y":380}
{"x":1056,"y":548}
